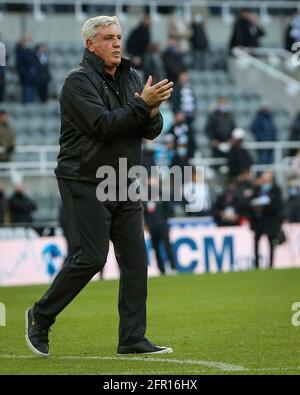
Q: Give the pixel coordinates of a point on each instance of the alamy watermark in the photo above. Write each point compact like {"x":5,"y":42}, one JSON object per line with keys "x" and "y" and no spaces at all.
{"x":2,"y":314}
{"x":162,"y":183}
{"x":296,"y":316}
{"x":2,"y":54}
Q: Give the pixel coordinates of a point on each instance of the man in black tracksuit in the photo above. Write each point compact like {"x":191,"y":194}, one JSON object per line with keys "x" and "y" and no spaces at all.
{"x":266,"y":214}
{"x":105,"y":113}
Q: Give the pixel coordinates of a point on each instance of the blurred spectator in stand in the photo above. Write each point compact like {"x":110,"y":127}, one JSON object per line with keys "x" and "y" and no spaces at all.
{"x":225,"y":209}
{"x":138,"y":41}
{"x":27,"y":65}
{"x":181,"y":129}
{"x":181,"y":152}
{"x":244,"y":194}
{"x":20,"y":206}
{"x":153,"y":64}
{"x":7,"y":138}
{"x":219,"y":127}
{"x":239,"y":160}
{"x":197,"y":196}
{"x":2,"y":83}
{"x":294,"y":173}
{"x":148,"y":155}
{"x":173,"y":61}
{"x":184,"y":99}
{"x":263,"y":129}
{"x":199,"y":43}
{"x":179,"y":30}
{"x":246,"y":32}
{"x":3,"y":205}
{"x":180,"y":159}
{"x":164,"y":153}
{"x":293,"y":202}
{"x":267,"y":214}
{"x":44,"y":74}
{"x":292,"y":34}
{"x":295,"y":133}
{"x":156,"y":214}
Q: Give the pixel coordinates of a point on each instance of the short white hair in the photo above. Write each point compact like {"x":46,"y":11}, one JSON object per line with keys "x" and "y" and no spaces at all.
{"x":90,"y":27}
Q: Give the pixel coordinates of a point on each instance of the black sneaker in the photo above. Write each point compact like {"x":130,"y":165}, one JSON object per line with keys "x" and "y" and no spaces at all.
{"x":144,"y":347}
{"x":36,"y":336}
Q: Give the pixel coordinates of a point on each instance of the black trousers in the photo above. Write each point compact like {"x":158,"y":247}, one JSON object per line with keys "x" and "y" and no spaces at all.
{"x":258,"y":235}
{"x":156,"y":239}
{"x":91,"y":225}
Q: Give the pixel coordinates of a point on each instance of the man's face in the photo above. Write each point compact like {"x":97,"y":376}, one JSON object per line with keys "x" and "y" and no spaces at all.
{"x":267,"y":177}
{"x":146,"y":21}
{"x":179,"y":117}
{"x":3,"y":118}
{"x":107,"y":45}
{"x":19,"y":188}
{"x":183,"y":78}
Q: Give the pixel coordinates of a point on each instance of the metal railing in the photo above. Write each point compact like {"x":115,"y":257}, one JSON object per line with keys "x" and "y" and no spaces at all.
{"x":280,"y":166}
{"x":263,"y":51}
{"x":188,"y":5}
{"x":280,"y":89}
{"x":280,"y":59}
{"x":195,"y":3}
{"x":44,"y":167}
{"x":245,"y":58}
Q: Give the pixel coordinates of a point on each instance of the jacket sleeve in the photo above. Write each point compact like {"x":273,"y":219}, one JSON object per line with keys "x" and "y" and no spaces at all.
{"x":255,"y":127}
{"x":275,"y":207}
{"x":176,"y":100}
{"x":11,"y":141}
{"x":82,"y":102}
{"x":152,"y":127}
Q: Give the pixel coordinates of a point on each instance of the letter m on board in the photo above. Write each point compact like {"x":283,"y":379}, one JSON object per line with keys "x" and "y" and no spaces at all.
{"x":219,"y":256}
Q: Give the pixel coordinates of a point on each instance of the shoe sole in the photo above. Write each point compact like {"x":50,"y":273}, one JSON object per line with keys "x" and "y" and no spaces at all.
{"x":167,"y":350}
{"x":28,"y":342}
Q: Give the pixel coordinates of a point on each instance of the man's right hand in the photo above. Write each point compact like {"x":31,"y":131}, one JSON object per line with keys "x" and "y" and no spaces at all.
{"x":154,"y":95}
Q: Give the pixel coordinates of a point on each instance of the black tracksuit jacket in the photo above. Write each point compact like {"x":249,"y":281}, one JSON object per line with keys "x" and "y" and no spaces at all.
{"x":99,"y":124}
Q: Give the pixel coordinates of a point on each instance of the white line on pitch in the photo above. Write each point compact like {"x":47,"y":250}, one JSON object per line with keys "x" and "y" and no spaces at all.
{"x":274,"y":369}
{"x":209,"y":364}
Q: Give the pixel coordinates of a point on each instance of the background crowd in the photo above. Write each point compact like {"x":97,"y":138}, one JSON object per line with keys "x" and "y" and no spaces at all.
{"x":242,"y":197}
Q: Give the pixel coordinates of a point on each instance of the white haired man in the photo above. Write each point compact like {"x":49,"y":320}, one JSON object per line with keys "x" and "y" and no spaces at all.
{"x":105,"y":113}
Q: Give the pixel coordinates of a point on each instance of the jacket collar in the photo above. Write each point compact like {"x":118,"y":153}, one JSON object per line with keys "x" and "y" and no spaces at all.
{"x":98,"y":64}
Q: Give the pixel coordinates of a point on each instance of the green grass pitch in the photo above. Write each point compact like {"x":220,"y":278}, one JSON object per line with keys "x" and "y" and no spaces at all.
{"x":225,"y":323}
